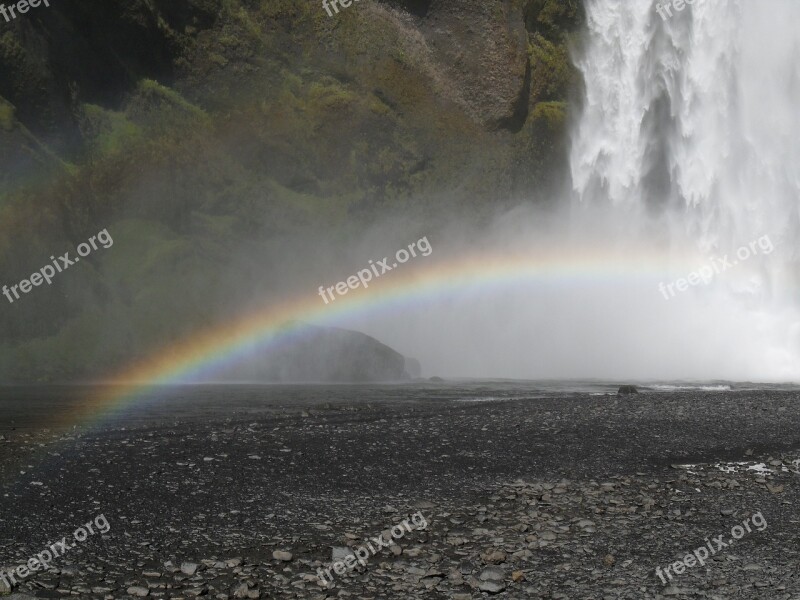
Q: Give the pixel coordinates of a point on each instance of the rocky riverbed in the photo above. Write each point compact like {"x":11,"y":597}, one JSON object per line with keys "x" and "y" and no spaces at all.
{"x":561,"y":498}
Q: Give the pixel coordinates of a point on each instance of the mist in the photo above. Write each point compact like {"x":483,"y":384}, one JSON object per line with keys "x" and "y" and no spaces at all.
{"x":684,"y":151}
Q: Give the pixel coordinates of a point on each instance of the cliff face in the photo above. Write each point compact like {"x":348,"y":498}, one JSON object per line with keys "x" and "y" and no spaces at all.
{"x":191,"y":127}
{"x":473,"y":69}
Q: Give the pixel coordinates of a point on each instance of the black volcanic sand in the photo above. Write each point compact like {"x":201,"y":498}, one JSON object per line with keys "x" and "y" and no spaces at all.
{"x":567,"y":498}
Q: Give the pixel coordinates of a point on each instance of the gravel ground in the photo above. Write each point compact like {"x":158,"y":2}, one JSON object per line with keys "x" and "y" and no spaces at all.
{"x":573,"y":497}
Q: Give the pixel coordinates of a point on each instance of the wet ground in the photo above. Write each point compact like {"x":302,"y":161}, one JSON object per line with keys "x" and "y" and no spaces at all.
{"x":576,"y":496}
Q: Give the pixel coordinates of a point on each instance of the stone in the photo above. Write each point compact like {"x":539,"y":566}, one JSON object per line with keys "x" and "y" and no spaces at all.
{"x":492,"y":574}
{"x":340,"y":553}
{"x":493,"y":587}
{"x":494,"y":557}
{"x":69,"y":571}
{"x":240,"y":591}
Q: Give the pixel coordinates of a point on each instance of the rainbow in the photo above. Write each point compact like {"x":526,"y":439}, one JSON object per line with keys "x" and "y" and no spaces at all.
{"x":417,"y":281}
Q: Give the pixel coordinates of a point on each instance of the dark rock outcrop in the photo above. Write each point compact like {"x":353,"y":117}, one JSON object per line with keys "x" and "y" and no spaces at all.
{"x":325,"y":354}
{"x":625,"y":390}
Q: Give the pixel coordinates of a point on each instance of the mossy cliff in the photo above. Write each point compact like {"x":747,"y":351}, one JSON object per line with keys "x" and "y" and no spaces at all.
{"x":191,"y":127}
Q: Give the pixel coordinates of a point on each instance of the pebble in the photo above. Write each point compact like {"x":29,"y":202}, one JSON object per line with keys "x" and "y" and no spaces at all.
{"x":136,"y":590}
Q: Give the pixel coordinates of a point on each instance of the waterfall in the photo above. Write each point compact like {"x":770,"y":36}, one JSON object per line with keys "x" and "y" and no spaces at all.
{"x":689,"y":134}
{"x":696,"y":114}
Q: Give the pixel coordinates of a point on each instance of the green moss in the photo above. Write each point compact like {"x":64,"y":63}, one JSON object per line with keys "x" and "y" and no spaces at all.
{"x":229,"y":41}
{"x":553,"y":18}
{"x":544,"y":140}
{"x":378,"y":106}
{"x":329,"y":95}
{"x":299,"y":207}
{"x":553,"y":115}
{"x":218,"y":59}
{"x":143,"y":247}
{"x":11,"y":51}
{"x":165,"y":99}
{"x":295,"y":10}
{"x":552,"y":72}
{"x":107,"y":131}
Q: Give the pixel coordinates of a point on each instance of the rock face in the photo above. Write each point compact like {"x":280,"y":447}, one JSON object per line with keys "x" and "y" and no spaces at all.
{"x":325,"y":354}
{"x":625,"y":390}
{"x":482,"y":46}
{"x":494,"y":60}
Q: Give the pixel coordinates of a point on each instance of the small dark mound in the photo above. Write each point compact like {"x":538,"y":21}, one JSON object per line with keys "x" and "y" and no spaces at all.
{"x":436,"y":379}
{"x":624,"y":390}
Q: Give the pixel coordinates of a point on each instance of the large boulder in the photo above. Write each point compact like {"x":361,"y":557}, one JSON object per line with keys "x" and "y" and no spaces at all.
{"x":308,"y":353}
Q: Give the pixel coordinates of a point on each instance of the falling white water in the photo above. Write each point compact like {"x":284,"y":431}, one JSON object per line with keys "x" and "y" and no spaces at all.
{"x":696,"y":115}
{"x":690,"y":133}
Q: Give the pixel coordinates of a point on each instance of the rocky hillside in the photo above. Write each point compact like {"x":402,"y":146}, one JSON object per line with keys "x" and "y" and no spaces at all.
{"x":190,"y":128}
